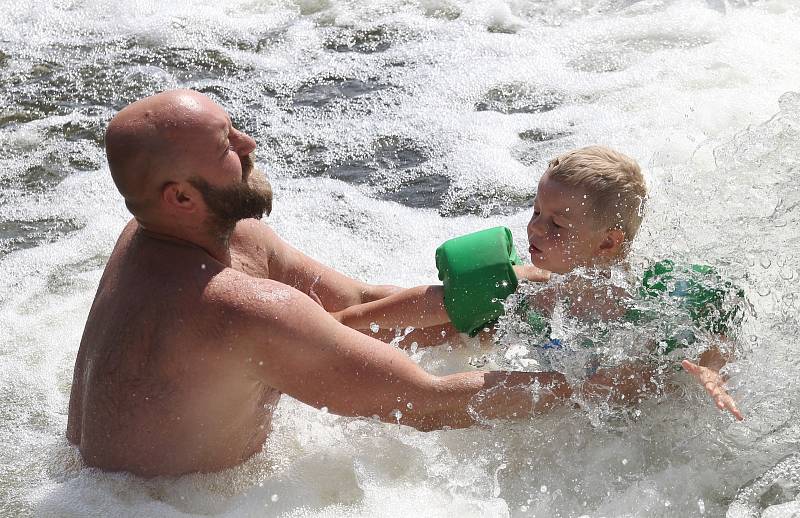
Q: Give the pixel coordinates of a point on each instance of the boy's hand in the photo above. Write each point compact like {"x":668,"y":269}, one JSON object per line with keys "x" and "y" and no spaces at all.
{"x":714,"y":384}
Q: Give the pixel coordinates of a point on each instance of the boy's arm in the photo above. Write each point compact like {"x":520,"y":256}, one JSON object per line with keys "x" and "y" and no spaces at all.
{"x":627,"y":383}
{"x":531,"y":273}
{"x":706,"y":372}
{"x":422,"y":306}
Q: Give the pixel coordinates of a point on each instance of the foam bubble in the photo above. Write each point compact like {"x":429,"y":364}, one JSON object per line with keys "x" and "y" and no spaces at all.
{"x":386,"y":128}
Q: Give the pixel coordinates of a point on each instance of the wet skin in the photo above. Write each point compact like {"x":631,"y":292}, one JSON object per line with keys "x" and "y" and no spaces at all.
{"x":163,"y":381}
{"x":198,"y":327}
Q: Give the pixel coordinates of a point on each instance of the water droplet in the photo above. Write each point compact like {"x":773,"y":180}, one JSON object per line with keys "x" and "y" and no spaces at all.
{"x":543,"y":489}
{"x":203,"y":266}
{"x":409,"y":405}
{"x":766,"y":262}
{"x":624,"y":462}
{"x":274,"y":498}
{"x":324,"y":409}
{"x":374,"y":327}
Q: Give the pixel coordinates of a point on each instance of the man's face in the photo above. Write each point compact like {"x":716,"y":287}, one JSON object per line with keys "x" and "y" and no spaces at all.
{"x":249,"y":198}
{"x":563,"y":232}
{"x":219,"y":157}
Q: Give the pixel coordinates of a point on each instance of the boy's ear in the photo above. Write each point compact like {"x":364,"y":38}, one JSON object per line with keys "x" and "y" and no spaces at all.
{"x":613,"y":242}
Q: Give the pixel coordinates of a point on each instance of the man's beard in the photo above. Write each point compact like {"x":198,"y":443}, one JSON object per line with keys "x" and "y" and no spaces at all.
{"x":227,"y":205}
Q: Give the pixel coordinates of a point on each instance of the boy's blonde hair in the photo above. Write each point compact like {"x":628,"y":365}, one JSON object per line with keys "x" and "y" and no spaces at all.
{"x":613,"y":182}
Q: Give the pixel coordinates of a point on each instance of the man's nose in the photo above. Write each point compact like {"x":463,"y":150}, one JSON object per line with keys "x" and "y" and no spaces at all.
{"x":242,"y":142}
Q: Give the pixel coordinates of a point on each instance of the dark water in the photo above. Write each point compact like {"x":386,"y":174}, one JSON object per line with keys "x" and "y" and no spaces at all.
{"x":98,"y":77}
{"x":445,"y":109}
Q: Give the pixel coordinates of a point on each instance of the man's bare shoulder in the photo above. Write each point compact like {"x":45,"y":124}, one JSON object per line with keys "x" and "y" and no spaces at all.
{"x":239,"y":292}
{"x":253,"y":233}
{"x":255,"y":248}
{"x":265,"y":316}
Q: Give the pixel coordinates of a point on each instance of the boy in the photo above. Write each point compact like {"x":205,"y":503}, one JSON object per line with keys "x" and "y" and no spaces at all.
{"x":587,"y":210}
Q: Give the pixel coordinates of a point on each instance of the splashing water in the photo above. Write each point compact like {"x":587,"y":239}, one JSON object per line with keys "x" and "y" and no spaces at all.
{"x":388,"y":126}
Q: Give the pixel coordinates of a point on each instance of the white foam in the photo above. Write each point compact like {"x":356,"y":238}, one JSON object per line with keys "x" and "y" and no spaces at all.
{"x":687,"y":87}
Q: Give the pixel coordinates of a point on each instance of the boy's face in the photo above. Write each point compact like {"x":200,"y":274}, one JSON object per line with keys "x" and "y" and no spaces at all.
{"x":563,"y":232}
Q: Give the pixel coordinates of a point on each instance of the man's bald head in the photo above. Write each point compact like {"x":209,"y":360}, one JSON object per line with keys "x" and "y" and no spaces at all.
{"x":181,"y":165}
{"x":145,"y":142}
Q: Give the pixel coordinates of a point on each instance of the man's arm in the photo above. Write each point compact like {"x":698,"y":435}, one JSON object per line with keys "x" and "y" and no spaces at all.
{"x":299,"y":349}
{"x":333,"y":290}
{"x":624,"y":384}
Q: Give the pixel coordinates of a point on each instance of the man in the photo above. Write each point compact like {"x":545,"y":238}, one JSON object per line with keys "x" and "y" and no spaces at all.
{"x":202,"y":317}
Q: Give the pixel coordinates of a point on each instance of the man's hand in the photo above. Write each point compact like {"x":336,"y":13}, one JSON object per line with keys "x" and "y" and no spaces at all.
{"x":624,"y":384}
{"x":714,"y":383}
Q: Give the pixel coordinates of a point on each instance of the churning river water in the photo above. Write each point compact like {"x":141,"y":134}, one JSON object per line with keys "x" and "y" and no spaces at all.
{"x":386,"y":127}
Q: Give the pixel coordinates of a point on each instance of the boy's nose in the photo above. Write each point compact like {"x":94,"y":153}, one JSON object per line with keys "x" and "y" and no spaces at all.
{"x":533,"y":228}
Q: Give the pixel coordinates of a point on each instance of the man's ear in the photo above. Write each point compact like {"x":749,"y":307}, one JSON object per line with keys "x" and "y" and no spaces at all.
{"x":612,"y":243}
{"x":179,"y":196}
